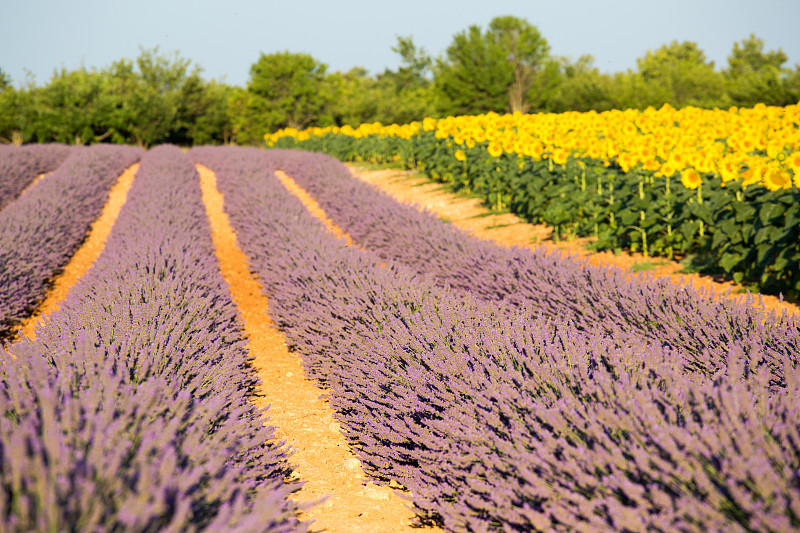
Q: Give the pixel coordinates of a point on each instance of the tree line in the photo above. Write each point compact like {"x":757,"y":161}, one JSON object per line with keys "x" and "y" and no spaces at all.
{"x":507,"y":66}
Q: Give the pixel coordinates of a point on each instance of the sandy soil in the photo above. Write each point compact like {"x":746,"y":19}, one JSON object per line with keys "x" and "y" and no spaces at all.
{"x":509,"y":230}
{"x":321,"y":457}
{"x":313,"y":206}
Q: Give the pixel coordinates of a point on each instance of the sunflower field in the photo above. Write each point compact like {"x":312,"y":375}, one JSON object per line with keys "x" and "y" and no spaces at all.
{"x":722,"y":186}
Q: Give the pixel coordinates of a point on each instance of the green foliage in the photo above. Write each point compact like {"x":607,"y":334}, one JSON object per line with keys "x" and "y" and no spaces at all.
{"x":748,"y":57}
{"x":491,"y":71}
{"x":406,"y":94}
{"x":151,"y":97}
{"x":565,"y":85}
{"x":393,"y":97}
{"x":11,"y":106}
{"x":287,"y":90}
{"x":72,"y":108}
{"x":757,"y":236}
{"x":473,"y":79}
{"x":680,"y":75}
{"x":508,"y":68}
{"x":5,"y":80}
{"x":211,"y":119}
{"x":415,"y":68}
{"x":354,"y":100}
{"x":154,"y":99}
{"x":755,"y":76}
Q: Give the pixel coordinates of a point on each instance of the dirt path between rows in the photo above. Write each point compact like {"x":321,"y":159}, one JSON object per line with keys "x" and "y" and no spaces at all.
{"x":321,"y":456}
{"x":313,"y":206}
{"x":86,"y":255}
{"x":509,"y":230}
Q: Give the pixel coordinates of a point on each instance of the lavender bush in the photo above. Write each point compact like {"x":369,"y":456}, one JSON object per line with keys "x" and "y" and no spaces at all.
{"x":42,"y":230}
{"x":498,"y":417}
{"x":656,"y":310}
{"x":130,"y":410}
{"x":19,"y":166}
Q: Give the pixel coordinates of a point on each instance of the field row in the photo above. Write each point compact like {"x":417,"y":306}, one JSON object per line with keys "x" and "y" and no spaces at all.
{"x":506,"y":389}
{"x":719,"y":187}
{"x":130,"y":410}
{"x":494,"y":413}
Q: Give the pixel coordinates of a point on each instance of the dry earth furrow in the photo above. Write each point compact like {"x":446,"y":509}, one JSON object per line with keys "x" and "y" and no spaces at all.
{"x":322,"y":459}
{"x":509,"y":230}
{"x":313,"y":206}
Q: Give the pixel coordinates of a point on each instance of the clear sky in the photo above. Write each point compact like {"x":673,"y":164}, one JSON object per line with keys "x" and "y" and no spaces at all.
{"x":225,"y":37}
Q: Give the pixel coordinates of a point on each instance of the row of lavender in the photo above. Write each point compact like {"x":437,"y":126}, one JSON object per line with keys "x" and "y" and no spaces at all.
{"x":19,"y":166}
{"x":42,"y":229}
{"x":498,"y":418}
{"x":703,"y":329}
{"x":130,"y":410}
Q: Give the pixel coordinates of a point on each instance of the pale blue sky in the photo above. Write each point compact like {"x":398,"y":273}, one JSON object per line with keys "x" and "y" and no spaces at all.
{"x":226,"y":37}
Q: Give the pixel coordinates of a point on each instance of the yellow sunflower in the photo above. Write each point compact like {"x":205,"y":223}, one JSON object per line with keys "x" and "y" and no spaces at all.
{"x":460,"y":155}
{"x":560,"y":156}
{"x":495,"y":149}
{"x":794,"y":162}
{"x":776,"y":178}
{"x":691,"y":179}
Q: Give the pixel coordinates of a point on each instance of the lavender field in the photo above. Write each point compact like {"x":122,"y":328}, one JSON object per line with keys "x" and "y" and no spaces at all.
{"x":504,"y":389}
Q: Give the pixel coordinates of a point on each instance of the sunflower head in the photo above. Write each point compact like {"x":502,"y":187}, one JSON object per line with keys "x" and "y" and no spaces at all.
{"x":495,"y":149}
{"x":691,"y":179}
{"x":793,"y":161}
{"x":776,"y":179}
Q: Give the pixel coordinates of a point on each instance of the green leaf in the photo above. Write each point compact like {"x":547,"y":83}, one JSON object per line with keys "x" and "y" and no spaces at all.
{"x":728,"y":227}
{"x":628,"y":217}
{"x":792,"y":216}
{"x":770,"y":211}
{"x":765,"y":234}
{"x":744,"y":212}
{"x":729,"y":261}
{"x":689,"y":229}
{"x":763,"y":251}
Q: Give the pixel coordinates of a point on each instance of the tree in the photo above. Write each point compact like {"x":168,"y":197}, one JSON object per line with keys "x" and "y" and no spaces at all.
{"x":153,"y":97}
{"x":406,"y":94}
{"x":492,"y":71}
{"x":525,"y":50}
{"x":72,"y":108}
{"x":5,"y":80}
{"x":210,"y":118}
{"x":415,"y":67}
{"x":287,"y":90}
{"x":748,"y":57}
{"x":546,"y":94}
{"x":356,"y":97}
{"x":680,"y":75}
{"x":755,"y":76}
{"x":579,"y":86}
{"x":158,"y":99}
{"x":9,"y":116}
